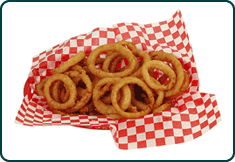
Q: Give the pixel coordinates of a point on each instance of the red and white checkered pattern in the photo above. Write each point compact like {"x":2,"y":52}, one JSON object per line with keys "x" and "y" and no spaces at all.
{"x":193,"y":113}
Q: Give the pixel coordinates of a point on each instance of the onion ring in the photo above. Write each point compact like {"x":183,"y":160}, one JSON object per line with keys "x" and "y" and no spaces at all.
{"x":98,"y":92}
{"x":72,"y":90}
{"x":56,"y":90}
{"x":168,"y":57}
{"x":131,"y":80}
{"x":107,"y":99}
{"x":183,"y":88}
{"x":159,"y":99}
{"x":186,"y":82}
{"x":108,"y":60}
{"x":97,"y":86}
{"x":161,"y":66}
{"x":123,"y":42}
{"x":117,"y":60}
{"x":125,"y":100}
{"x":64,"y":94}
{"x":146,"y":58}
{"x":82,"y":102}
{"x":107,"y":47}
{"x":114,"y":64}
{"x":130,"y":45}
{"x":141,"y":105}
{"x":97,"y":61}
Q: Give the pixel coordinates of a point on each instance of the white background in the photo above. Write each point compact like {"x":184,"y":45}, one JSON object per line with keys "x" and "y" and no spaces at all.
{"x":31,"y":28}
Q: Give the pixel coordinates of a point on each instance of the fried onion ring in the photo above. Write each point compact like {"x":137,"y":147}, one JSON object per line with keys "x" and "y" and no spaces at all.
{"x":168,"y":57}
{"x":183,"y":88}
{"x":102,"y":86}
{"x":123,"y":42}
{"x":159,"y":97}
{"x":144,"y":83}
{"x":130,"y":45}
{"x":125,"y":100}
{"x":56,"y":91}
{"x":114,"y":64}
{"x":139,"y":82}
{"x":72,"y":92}
{"x":82,"y":102}
{"x":159,"y":100}
{"x":107,"y":99}
{"x":97,"y":61}
{"x":109,"y":47}
{"x":108,"y":60}
{"x":160,"y":66}
{"x":146,"y":58}
{"x":64,"y":93}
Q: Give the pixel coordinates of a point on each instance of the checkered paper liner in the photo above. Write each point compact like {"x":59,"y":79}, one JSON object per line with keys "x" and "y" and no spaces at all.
{"x":193,"y":113}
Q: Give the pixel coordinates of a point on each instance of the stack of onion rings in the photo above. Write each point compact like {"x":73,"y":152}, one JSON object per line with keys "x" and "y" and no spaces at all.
{"x":95,"y":86}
